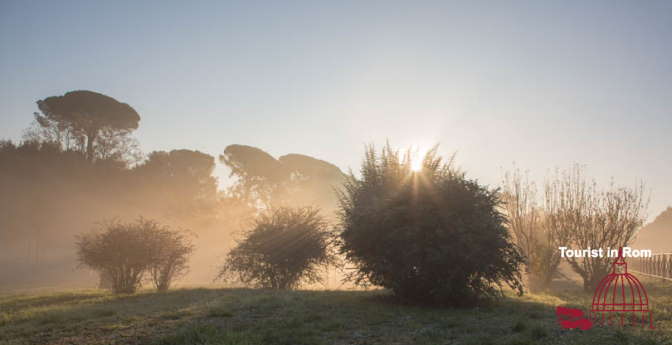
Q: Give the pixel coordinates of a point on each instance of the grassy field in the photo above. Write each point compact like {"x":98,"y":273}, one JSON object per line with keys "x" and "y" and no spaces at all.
{"x":245,"y":316}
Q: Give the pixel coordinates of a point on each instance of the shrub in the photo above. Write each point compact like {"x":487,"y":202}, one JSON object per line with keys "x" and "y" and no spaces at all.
{"x":171,"y":253}
{"x":123,"y":253}
{"x":429,"y":235}
{"x":284,"y":248}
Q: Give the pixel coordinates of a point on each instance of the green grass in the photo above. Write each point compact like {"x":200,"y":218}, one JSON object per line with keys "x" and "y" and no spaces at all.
{"x":252,"y":317}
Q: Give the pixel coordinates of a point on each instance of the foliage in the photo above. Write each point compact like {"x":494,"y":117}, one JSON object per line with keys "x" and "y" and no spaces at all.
{"x":261,"y":178}
{"x":171,"y":252}
{"x":97,"y":124}
{"x":285,"y":248}
{"x":314,"y":181}
{"x":50,"y":194}
{"x":291,"y":180}
{"x":182,"y":178}
{"x":430,"y":236}
{"x":125,"y":252}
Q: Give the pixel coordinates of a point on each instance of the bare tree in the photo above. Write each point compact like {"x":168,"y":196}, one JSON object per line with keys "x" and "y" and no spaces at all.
{"x":575,"y":213}
{"x":587,"y":217}
{"x":531,"y":229}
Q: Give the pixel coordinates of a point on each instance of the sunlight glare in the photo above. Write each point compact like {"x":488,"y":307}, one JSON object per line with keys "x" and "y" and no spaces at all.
{"x":416,"y":162}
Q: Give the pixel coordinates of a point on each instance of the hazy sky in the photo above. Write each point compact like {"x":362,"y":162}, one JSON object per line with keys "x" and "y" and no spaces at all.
{"x":543,"y":84}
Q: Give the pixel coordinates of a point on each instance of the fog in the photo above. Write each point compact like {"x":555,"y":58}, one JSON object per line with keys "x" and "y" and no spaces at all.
{"x":64,"y":180}
{"x":52,"y":193}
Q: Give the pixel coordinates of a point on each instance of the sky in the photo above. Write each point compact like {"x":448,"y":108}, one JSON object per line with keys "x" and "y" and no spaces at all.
{"x":538,"y":84}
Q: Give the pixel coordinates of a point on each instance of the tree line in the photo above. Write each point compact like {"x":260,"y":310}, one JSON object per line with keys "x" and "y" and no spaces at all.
{"x":429,"y":234}
{"x":79,"y":164}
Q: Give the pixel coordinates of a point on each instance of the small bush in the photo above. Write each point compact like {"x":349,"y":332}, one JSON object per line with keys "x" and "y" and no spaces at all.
{"x":123,"y":253}
{"x":171,"y":253}
{"x":284,"y":248}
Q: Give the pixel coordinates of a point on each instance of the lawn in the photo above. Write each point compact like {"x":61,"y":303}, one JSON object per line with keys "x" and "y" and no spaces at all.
{"x":247,"y":316}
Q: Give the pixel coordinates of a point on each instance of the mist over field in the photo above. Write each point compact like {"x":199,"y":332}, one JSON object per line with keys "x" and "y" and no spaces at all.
{"x":52,"y":196}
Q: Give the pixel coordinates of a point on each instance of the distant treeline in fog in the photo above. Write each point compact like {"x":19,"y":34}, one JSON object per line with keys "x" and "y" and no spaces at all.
{"x":657,"y":235}
{"x":68,"y":174}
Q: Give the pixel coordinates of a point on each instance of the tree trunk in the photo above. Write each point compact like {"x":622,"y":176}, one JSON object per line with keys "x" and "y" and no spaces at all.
{"x":90,"y":139}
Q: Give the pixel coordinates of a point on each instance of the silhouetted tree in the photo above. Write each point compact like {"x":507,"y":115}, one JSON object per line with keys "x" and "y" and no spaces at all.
{"x":46,"y":130}
{"x":261,"y":178}
{"x":291,"y":180}
{"x":180,"y":180}
{"x":47,"y":194}
{"x":88,"y":118}
{"x":286,"y":247}
{"x":430,"y":235}
{"x":314,"y":181}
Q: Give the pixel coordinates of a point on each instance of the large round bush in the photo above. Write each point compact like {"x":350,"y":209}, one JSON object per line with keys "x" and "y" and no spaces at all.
{"x":430,"y":235}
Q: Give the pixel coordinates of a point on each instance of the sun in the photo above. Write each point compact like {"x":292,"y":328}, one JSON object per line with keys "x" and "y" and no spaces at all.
{"x":416,"y":162}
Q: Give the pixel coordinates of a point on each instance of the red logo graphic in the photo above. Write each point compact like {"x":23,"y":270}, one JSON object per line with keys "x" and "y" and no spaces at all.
{"x":619,"y":298}
{"x":570,"y":318}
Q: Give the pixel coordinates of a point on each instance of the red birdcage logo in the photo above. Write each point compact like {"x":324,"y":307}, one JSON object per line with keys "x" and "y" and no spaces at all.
{"x":620,"y":297}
